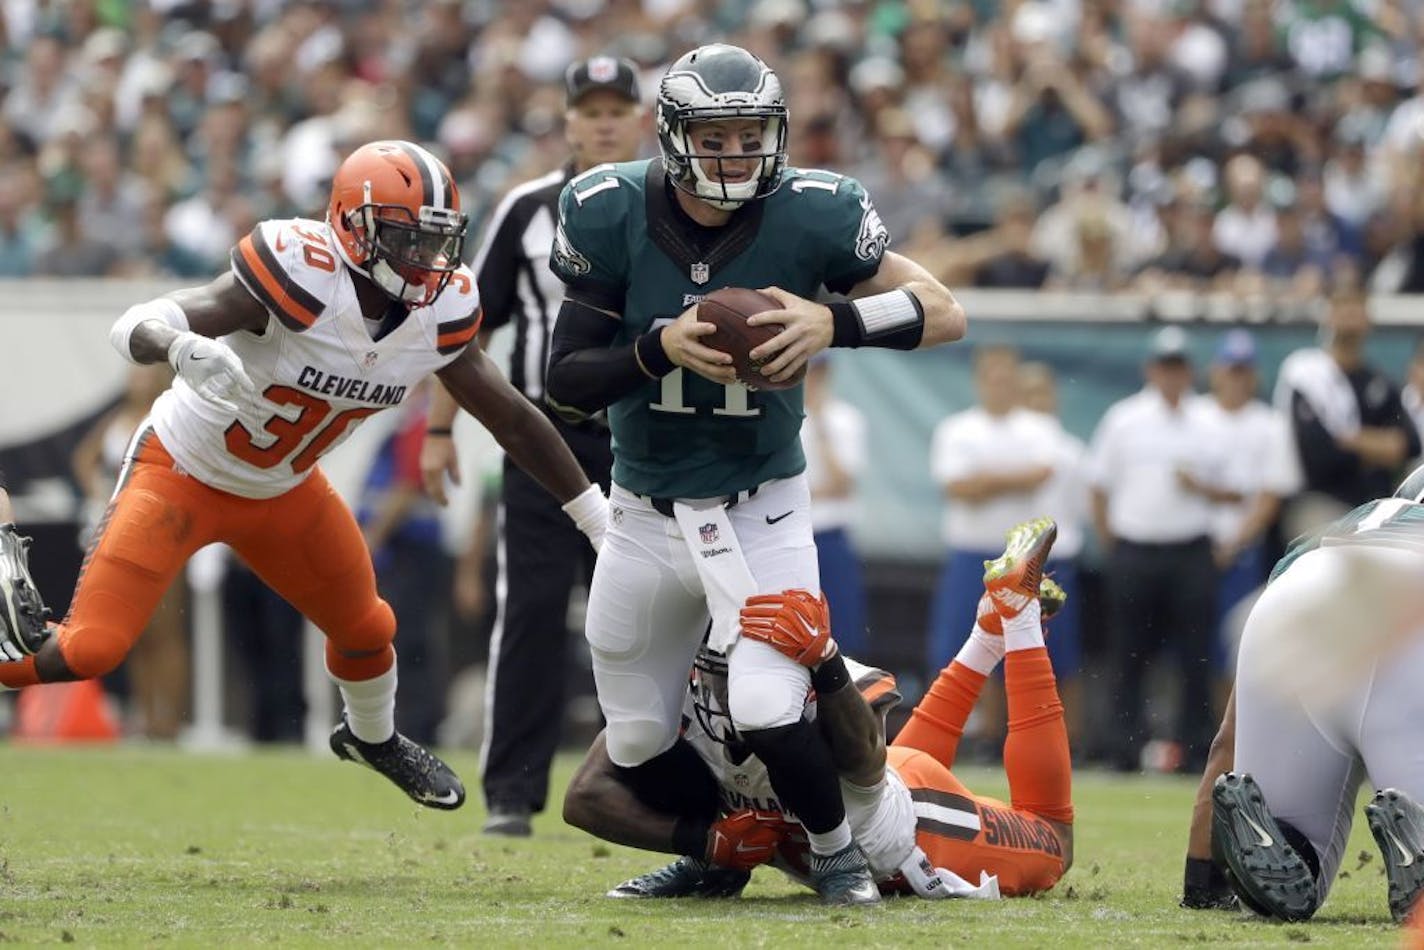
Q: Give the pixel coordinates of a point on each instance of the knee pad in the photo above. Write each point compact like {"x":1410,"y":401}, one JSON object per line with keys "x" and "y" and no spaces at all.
{"x":635,"y":742}
{"x":91,"y":652}
{"x":370,"y":632}
{"x":764,"y":688}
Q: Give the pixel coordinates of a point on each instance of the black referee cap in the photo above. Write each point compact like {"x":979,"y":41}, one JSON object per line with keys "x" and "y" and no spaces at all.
{"x":602,"y":72}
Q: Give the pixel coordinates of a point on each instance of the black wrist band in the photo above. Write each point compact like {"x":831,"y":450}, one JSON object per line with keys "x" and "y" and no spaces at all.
{"x":652,"y":358}
{"x":846,"y":330}
{"x":444,"y":430}
{"x":830,"y":676}
{"x":689,"y":836}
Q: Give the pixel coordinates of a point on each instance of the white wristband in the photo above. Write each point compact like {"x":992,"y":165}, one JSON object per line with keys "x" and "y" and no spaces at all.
{"x":162,"y":310}
{"x":589,"y":511}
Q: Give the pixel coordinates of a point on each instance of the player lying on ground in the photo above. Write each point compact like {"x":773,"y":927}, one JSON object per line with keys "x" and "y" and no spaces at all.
{"x":317,"y":326}
{"x":922,"y":830}
{"x":1327,"y":693}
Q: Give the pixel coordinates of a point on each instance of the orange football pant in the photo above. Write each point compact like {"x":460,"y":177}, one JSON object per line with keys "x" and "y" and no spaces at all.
{"x":968,"y":833}
{"x":304,"y":544}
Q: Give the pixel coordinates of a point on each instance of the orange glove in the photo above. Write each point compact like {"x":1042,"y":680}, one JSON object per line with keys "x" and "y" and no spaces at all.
{"x":745,"y":838}
{"x":795,"y":623}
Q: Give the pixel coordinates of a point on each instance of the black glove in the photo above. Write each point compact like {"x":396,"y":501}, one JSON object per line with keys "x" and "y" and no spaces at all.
{"x":1205,"y":887}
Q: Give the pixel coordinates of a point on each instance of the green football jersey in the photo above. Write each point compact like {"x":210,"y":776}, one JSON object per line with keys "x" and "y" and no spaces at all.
{"x":624,"y":245}
{"x":1384,"y":522}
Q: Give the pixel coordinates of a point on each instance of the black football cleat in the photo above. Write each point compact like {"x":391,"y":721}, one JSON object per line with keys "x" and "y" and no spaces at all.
{"x":1397,"y":822}
{"x":685,"y":877}
{"x":1266,"y":871}
{"x":23,"y":615}
{"x":416,"y":771}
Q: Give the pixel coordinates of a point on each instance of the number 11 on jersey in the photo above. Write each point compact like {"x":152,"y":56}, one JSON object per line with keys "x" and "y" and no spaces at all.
{"x":736,"y":400}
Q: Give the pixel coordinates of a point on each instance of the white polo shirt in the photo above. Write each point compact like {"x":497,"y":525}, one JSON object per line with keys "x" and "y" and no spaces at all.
{"x":973,"y":442}
{"x":1135,"y":455}
{"x":1258,"y":455}
{"x":844,"y":426}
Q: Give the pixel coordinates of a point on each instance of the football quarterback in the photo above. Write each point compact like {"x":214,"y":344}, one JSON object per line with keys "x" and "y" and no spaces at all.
{"x":710,"y":502}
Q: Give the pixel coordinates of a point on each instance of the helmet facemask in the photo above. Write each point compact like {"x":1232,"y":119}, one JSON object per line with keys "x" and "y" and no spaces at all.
{"x":410,"y":257}
{"x":709,"y":696}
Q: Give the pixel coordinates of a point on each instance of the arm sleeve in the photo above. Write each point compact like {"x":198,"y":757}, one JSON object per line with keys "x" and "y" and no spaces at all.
{"x":586,"y":372}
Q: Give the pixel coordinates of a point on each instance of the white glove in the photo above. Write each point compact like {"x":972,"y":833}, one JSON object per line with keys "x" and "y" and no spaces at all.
{"x":589,"y":511}
{"x":934,"y":883}
{"x":212,"y":369}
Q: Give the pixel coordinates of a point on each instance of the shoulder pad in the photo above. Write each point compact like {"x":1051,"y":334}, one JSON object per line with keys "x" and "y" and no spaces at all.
{"x":457,"y":313}
{"x":290,"y":266}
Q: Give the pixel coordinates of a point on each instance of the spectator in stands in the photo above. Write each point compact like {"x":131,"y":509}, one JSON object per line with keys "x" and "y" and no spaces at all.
{"x":1005,"y":254}
{"x":833,"y":436}
{"x":901,"y":176}
{"x":1147,"y":94}
{"x":112,"y":197}
{"x":22,"y":230}
{"x":1255,"y":50}
{"x":69,"y":252}
{"x":1153,"y":465}
{"x":43,"y":91}
{"x":1353,"y":192}
{"x":1192,"y":261}
{"x":1246,"y":228}
{"x":1295,"y":270}
{"x":1350,"y":428}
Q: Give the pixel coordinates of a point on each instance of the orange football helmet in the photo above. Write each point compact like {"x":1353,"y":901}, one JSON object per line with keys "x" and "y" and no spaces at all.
{"x":396,"y":214}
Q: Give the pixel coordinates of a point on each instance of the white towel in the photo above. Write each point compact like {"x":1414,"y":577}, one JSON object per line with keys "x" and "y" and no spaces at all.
{"x":720,"y":563}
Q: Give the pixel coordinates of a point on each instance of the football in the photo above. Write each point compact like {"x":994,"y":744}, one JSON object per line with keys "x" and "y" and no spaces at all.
{"x":727,"y":309}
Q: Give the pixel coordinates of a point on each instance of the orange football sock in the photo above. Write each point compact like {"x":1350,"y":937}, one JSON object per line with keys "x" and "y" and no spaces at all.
{"x":1036,"y":751}
{"x":937,"y":723}
{"x":19,"y":673}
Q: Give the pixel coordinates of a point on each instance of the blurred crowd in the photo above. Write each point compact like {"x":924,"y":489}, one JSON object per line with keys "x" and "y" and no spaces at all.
{"x":1250,"y":148}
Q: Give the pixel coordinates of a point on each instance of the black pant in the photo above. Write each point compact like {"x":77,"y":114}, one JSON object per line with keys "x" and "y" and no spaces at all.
{"x":544,"y":554}
{"x":1162,"y":596}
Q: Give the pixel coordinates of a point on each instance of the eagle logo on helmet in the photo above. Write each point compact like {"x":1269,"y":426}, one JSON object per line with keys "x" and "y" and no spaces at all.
{"x":396,"y":215}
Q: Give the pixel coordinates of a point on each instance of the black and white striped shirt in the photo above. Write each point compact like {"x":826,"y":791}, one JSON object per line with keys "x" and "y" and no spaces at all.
{"x":516,"y":285}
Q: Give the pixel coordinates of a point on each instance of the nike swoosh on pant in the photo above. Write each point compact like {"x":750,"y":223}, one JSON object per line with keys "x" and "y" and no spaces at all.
{"x":771,"y":520}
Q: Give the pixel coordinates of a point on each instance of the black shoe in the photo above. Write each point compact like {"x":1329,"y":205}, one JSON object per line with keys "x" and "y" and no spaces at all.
{"x":415,"y":771}
{"x":1267,"y":873}
{"x":844,"y":878}
{"x":23,"y":629}
{"x":685,"y":877}
{"x":511,"y":822}
{"x":1397,"y":822}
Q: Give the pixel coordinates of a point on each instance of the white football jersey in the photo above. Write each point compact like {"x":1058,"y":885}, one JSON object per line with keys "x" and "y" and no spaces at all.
{"x":317,"y":370}
{"x":746,"y":783}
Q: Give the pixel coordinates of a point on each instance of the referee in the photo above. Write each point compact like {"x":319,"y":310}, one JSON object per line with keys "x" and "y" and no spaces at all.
{"x":541,"y":552}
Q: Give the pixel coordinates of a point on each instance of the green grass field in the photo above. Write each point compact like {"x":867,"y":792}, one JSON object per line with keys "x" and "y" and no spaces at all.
{"x":143,"y":846}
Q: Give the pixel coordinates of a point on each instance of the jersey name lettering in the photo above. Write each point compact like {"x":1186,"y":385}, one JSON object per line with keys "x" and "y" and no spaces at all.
{"x":329,"y":384}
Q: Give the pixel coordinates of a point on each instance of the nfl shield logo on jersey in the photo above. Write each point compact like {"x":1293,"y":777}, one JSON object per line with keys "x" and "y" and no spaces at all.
{"x":700,"y":273}
{"x":708,"y":532}
{"x":370,"y":359}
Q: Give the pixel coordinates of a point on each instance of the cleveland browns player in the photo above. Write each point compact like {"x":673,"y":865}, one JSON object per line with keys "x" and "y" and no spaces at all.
{"x":921,"y":829}
{"x":317,"y":326}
